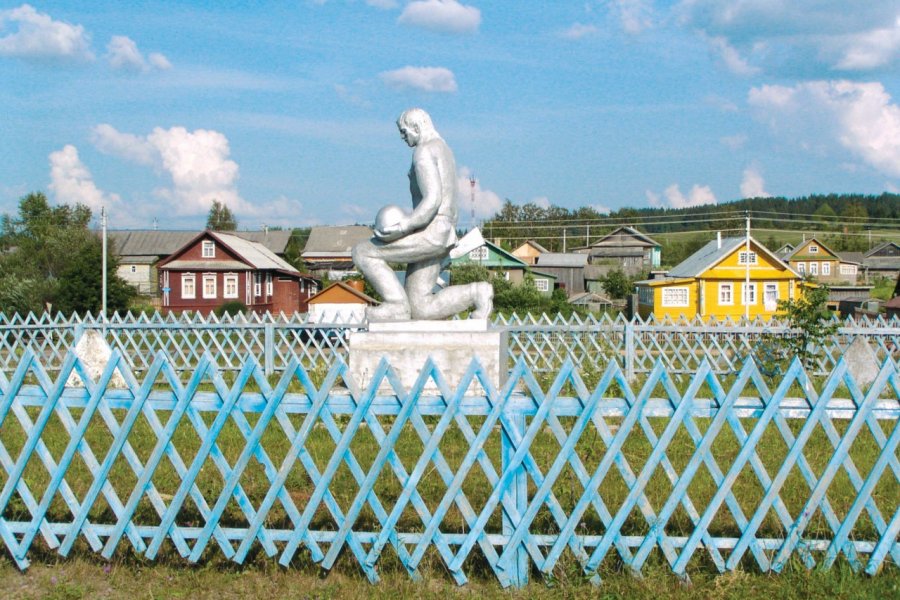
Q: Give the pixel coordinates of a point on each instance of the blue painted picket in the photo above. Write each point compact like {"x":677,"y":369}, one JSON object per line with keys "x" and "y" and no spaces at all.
{"x":721,"y":473}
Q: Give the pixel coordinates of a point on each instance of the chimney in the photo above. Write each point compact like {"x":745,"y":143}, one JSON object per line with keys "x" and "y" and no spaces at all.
{"x":718,"y":239}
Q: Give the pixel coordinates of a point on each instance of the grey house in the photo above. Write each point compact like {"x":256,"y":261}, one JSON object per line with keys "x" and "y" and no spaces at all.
{"x":568,"y":268}
{"x":328,"y":249}
{"x":624,"y":248}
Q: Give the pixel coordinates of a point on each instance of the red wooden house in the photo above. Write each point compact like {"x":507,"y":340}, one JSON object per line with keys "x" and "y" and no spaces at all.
{"x":214,"y":268}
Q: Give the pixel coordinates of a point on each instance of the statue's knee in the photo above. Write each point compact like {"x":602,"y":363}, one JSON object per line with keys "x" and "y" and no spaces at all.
{"x":361,"y":251}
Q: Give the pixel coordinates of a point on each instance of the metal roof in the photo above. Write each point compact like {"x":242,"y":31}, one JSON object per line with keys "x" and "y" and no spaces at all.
{"x":255,"y":253}
{"x":560,"y":259}
{"x":706,"y":256}
{"x":149,"y":242}
{"x":335,"y":241}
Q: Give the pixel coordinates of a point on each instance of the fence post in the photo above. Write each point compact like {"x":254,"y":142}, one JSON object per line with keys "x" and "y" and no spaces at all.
{"x":628,"y":359}
{"x":269,"y":349}
{"x":516,"y":494}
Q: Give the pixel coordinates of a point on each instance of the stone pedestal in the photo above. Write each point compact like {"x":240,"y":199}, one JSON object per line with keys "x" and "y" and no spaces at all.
{"x":407,"y":345}
{"x":95,"y":353}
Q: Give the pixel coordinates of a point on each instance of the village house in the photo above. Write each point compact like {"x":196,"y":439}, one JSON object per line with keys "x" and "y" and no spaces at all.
{"x":624,"y":248}
{"x":139,"y":250}
{"x":340,"y":302}
{"x":328,"y":250}
{"x":814,"y":259}
{"x":513,"y":269}
{"x":529,"y":252}
{"x":567,"y":267}
{"x":214,"y":268}
{"x":712,"y":283}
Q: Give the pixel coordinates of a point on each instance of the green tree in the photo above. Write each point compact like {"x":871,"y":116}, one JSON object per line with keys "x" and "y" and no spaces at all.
{"x":39,"y":243}
{"x":810,"y":322}
{"x":81,"y":285}
{"x":220,"y":218}
{"x":617,"y":284}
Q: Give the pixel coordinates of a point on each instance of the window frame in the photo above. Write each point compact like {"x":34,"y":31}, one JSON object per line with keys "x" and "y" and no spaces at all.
{"x":669,"y":303}
{"x":480,"y":253}
{"x":208,"y":249}
{"x":227,"y":279}
{"x":826,"y":269}
{"x":213,"y":294}
{"x":753,"y":296}
{"x":748,"y":257}
{"x":542,"y":284}
{"x":813,"y":249}
{"x":813,"y":268}
{"x":185,"y":279}
{"x":726,"y":286}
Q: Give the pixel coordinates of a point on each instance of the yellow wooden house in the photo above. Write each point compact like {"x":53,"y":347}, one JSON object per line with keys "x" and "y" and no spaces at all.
{"x":712,"y":283}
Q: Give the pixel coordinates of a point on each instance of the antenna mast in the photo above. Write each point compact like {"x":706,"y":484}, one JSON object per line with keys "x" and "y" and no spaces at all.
{"x":472,"y":188}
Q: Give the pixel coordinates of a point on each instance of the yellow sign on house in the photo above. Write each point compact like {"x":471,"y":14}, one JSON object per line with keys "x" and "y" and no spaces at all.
{"x":713,"y":283}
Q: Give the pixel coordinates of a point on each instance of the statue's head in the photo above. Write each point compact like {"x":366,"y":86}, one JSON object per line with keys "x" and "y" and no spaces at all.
{"x":413,"y":124}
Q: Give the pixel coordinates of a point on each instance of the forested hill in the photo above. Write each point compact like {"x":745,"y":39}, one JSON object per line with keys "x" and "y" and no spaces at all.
{"x":833,"y":212}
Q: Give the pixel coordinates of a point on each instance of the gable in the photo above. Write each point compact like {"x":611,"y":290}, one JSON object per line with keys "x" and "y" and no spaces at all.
{"x":887,"y":249}
{"x":812,"y":250}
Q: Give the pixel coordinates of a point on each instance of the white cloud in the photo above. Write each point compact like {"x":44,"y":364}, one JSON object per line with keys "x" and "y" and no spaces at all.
{"x":441,"y":15}
{"x":72,"y":183}
{"x":698,"y":196}
{"x":542,"y":201}
{"x":800,"y":35}
{"x":634,"y":15}
{"x":487,"y":203}
{"x":578,"y":31}
{"x":197,"y":162}
{"x":731,"y":58}
{"x":123,"y":55}
{"x":38,"y":36}
{"x":869,"y":49}
{"x":857,"y":117}
{"x":752,"y":184}
{"x":428,"y":79}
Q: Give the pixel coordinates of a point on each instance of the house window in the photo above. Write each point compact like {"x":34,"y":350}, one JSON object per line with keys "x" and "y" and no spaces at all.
{"x":257,"y":284}
{"x":747,"y":258}
{"x":826,"y":268}
{"x":813,"y":268}
{"x":133,"y":269}
{"x":675,"y":296}
{"x":645,"y":295}
{"x":209,"y":285}
{"x":230,"y":286}
{"x":813,"y":249}
{"x":848,"y":269}
{"x":542,"y":285}
{"x":748,"y":294}
{"x":188,"y":286}
{"x":726,"y":294}
{"x":208,"y":249}
{"x":770,"y":296}
{"x":801,"y":268}
{"x":479,"y":253}
{"x":269,"y":288}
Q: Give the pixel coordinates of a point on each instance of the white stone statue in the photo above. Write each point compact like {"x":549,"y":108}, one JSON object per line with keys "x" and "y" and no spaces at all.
{"x":421,"y":239}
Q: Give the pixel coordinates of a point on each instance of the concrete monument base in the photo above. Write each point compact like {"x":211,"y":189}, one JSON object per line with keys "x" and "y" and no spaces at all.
{"x":407,"y":345}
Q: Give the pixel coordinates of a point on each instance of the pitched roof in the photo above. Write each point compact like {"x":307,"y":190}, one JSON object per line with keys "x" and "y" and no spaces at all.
{"x":801,"y":246}
{"x":618,"y":237}
{"x":149,"y":242}
{"x":340,"y":285}
{"x":880,"y":247}
{"x":712,"y":253}
{"x":560,"y":259}
{"x":252,"y":254}
{"x":533,"y":244}
{"x":334,"y":241}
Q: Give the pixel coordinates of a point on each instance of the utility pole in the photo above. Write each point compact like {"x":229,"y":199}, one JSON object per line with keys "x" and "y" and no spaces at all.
{"x":103,"y":262}
{"x":472,"y":191}
{"x":747,"y":275}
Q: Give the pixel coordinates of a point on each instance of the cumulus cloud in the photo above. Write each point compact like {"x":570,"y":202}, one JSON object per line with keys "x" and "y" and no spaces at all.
{"x":487,"y":203}
{"x":752,"y":184}
{"x":674,"y":198}
{"x":197,"y":162}
{"x":428,"y":79}
{"x":72,"y":183}
{"x":448,"y":16}
{"x":36,"y":36}
{"x":634,"y":15}
{"x":858,"y":118}
{"x":578,"y":31}
{"x":123,"y":55}
{"x":801,"y":34}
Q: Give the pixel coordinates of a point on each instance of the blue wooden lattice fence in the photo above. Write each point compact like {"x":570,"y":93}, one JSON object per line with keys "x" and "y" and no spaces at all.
{"x":728,"y":473}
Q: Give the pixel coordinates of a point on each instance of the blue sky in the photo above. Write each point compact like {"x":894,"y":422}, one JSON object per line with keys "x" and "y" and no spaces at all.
{"x":286,"y":110}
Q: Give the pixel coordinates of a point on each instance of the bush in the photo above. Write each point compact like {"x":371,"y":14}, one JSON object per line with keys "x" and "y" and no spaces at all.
{"x":231,"y":308}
